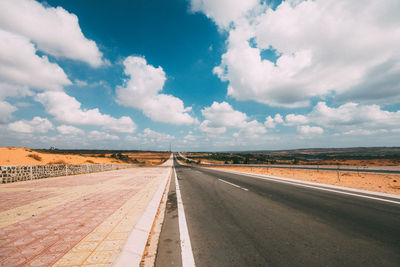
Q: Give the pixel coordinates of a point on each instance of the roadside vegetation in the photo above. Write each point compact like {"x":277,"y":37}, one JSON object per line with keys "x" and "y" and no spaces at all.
{"x":383,"y":156}
{"x":35,"y":157}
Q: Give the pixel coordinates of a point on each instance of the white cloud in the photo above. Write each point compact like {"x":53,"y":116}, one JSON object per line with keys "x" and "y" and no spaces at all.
{"x":96,"y":135}
{"x":20,"y":67}
{"x":223,"y":12}
{"x":206,"y":128}
{"x":69,"y":130}
{"x":6,"y":109}
{"x":80,"y":83}
{"x":190,"y":138}
{"x":293,"y":119}
{"x":272,"y":122}
{"x":36,"y":125}
{"x":223,"y":115}
{"x":324,"y":47}
{"x":67,"y":109}
{"x":149,"y":136}
{"x":359,"y":132}
{"x":150,"y":139}
{"x":251,"y":130}
{"x":13,"y":90}
{"x":348,"y":119}
{"x":131,"y":139}
{"x":309,"y":130}
{"x":142,"y":89}
{"x":54,"y":30}
{"x":352,"y":115}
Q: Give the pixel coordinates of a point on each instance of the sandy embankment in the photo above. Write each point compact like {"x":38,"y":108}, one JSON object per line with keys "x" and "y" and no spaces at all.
{"x":26,"y":156}
{"x":384,"y":183}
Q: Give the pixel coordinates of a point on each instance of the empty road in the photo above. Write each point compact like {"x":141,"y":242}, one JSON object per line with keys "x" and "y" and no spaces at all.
{"x":238,"y":220}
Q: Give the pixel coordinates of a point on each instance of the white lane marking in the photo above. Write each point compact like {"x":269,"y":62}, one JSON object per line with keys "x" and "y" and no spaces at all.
{"x":235,"y":185}
{"x":314,"y":187}
{"x":186,"y":247}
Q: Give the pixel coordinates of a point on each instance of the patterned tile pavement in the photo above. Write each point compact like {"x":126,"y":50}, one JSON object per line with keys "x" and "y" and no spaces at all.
{"x":79,"y":220}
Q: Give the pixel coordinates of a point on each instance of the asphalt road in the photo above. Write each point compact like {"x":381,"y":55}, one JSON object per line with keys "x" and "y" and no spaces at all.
{"x":342,"y":168}
{"x":237,"y":220}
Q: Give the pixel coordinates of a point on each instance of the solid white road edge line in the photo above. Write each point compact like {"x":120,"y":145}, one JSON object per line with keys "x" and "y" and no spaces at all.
{"x":310,"y":186}
{"x":235,"y":185}
{"x":186,"y":247}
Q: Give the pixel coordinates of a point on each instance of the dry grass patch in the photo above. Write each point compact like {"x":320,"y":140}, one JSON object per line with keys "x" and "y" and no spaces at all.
{"x":35,"y":157}
{"x":58,"y":162}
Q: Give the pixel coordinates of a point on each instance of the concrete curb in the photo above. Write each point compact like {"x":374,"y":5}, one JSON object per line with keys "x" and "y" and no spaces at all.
{"x":134,"y":248}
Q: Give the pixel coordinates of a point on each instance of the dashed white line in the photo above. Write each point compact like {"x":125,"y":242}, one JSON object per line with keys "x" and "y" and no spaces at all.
{"x":235,"y":185}
{"x":186,"y":247}
{"x":302,"y":184}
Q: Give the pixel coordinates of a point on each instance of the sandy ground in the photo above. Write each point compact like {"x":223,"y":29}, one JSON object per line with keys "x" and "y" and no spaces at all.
{"x":385,"y":183}
{"x":26,"y":156}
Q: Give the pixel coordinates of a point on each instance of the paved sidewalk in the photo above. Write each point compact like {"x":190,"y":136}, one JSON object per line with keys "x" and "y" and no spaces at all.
{"x":74,"y":220}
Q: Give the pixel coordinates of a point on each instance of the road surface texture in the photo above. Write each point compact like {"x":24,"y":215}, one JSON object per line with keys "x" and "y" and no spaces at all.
{"x":238,"y":220}
{"x":74,"y":220}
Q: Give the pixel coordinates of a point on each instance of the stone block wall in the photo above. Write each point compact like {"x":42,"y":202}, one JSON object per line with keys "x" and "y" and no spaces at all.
{"x":11,"y":174}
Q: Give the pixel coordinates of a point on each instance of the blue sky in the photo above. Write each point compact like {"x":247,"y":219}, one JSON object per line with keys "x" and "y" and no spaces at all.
{"x":200,"y":74}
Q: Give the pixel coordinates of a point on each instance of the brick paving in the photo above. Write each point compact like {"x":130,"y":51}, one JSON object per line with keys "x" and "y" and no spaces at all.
{"x":75,"y":220}
{"x":10,"y":200}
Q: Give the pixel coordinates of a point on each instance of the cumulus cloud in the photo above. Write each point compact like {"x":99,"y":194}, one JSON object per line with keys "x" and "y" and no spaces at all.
{"x":272,"y":122}
{"x":223,"y":12}
{"x":323,"y":47}
{"x":359,"y":132}
{"x":353,"y":115}
{"x":189,"y":138}
{"x":69,"y":130}
{"x":206,"y":127}
{"x":309,"y":130}
{"x":36,"y":125}
{"x":67,"y":109}
{"x":348,"y":119}
{"x":27,"y":27}
{"x":153,"y":137}
{"x":54,"y":30}
{"x":251,"y":130}
{"x":219,"y":117}
{"x":6,"y":110}
{"x":20,"y":67}
{"x":293,"y":119}
{"x":380,"y":84}
{"x":222,"y":116}
{"x":142,"y":91}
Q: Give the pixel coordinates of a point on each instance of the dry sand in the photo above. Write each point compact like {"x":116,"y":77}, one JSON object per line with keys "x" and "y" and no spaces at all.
{"x":26,"y":156}
{"x":384,"y":183}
